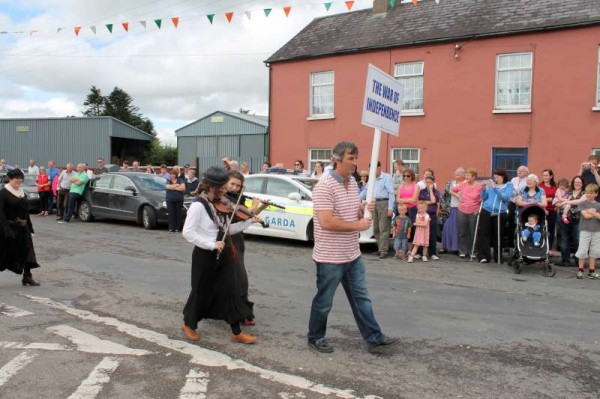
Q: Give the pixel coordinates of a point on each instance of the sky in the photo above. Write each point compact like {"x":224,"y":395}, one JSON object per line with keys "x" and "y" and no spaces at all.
{"x":175,"y":75}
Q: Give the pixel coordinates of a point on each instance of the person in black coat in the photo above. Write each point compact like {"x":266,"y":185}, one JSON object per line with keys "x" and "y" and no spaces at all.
{"x":16,"y":249}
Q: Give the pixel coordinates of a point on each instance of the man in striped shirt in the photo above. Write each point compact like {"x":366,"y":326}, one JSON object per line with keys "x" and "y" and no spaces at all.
{"x":339,"y":219}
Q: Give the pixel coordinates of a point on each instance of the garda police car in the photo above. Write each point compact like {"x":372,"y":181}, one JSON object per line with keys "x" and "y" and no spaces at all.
{"x":293,"y":218}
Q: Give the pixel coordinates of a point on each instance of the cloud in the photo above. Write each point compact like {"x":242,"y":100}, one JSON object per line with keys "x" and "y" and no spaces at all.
{"x":175,"y":76}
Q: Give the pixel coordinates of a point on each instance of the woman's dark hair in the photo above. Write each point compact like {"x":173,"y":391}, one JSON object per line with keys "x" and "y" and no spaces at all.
{"x":234,"y":174}
{"x":582,"y":183}
{"x":411,"y":173}
{"x":320,"y":163}
{"x":298,"y":161}
{"x":551,"y":173}
{"x":502,"y":173}
{"x":267,"y":163}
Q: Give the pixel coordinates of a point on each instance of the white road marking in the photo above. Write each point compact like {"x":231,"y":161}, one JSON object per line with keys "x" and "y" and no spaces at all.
{"x":88,"y":343}
{"x":196,"y":385}
{"x":34,"y":345}
{"x":14,"y":366}
{"x":92,"y":385}
{"x":12,"y":311}
{"x":200,"y":356}
{"x":287,"y":395}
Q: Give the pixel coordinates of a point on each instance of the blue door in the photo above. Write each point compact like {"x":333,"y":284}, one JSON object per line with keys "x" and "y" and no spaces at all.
{"x":509,"y":159}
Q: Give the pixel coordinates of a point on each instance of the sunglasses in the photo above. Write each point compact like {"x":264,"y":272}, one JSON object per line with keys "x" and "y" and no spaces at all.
{"x":296,"y":164}
{"x":406,"y":176}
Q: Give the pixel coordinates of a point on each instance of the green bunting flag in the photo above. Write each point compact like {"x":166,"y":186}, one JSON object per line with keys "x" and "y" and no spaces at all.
{"x":392,"y":3}
{"x":267,"y":12}
{"x":210,"y":17}
{"x":109,"y":27}
{"x":158,"y":22}
{"x":327,"y":6}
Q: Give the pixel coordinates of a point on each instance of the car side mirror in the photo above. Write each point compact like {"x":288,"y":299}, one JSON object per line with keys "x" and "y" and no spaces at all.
{"x":132,"y":189}
{"x":295,"y":196}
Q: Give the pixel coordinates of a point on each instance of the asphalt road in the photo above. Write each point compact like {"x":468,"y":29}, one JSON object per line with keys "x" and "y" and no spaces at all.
{"x":106,"y":323}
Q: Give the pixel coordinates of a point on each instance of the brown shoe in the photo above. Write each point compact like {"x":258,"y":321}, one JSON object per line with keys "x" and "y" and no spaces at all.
{"x":190,"y":334}
{"x":243,"y":338}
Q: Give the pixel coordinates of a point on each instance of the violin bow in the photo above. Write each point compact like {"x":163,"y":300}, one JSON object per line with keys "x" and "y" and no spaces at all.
{"x":228,"y":225}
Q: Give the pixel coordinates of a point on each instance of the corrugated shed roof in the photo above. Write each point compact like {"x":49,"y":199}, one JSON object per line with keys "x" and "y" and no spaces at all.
{"x":259,"y":120}
{"x":407,"y":24}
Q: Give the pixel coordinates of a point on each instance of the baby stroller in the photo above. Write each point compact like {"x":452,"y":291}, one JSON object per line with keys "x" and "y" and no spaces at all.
{"x":526,"y":252}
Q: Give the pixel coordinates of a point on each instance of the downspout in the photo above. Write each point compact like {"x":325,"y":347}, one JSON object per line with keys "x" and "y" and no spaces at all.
{"x":268,"y":138}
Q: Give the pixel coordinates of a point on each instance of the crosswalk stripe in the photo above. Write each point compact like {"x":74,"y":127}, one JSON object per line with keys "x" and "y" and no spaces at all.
{"x":14,"y":366}
{"x":13,"y":311}
{"x":34,"y":345}
{"x":195,"y":386}
{"x":88,"y":343}
{"x":92,"y":385}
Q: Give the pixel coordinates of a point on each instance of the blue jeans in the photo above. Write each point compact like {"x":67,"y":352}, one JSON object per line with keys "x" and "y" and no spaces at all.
{"x":352,"y":277}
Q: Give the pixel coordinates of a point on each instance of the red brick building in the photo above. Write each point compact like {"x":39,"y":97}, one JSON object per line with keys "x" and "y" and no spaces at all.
{"x":487,"y":83}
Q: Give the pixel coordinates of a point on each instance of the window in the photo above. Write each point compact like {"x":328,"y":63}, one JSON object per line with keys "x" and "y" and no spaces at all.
{"x":411,"y":76}
{"x":104,"y":182}
{"x":121,"y":182}
{"x":513,"y":81}
{"x":509,"y":159}
{"x":321,"y":94}
{"x":318,"y":155}
{"x":410,"y":156}
{"x":254,"y":184}
{"x":281,"y":188}
{"x":596,"y":152}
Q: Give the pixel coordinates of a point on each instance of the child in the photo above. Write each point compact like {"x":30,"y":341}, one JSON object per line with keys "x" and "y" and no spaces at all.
{"x":421,"y":237}
{"x":562,"y":191}
{"x":532,"y":229}
{"x":589,"y":232}
{"x":401,"y":232}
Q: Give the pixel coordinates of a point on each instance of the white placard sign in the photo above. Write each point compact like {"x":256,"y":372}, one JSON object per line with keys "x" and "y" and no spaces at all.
{"x":383,"y":101}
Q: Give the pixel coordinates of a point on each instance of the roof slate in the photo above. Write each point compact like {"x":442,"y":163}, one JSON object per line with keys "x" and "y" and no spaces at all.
{"x":407,"y":24}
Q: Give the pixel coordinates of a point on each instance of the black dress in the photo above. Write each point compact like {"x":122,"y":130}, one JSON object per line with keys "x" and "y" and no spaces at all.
{"x":216,"y":284}
{"x":16,"y":246}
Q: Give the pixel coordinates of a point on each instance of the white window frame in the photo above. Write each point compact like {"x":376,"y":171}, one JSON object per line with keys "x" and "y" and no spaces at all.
{"x":518,"y":107}
{"x":312,"y":161}
{"x":408,"y":163}
{"x":403,"y":78}
{"x":596,"y":152}
{"x":312,"y":115}
{"x":597,"y":106}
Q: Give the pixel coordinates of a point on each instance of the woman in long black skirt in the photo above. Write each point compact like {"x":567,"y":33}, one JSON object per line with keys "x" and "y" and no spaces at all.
{"x":16,"y":248}
{"x":216,"y":282}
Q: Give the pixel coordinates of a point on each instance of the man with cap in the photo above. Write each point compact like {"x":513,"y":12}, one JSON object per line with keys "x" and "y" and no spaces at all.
{"x":384,"y":210}
{"x":214,"y":294}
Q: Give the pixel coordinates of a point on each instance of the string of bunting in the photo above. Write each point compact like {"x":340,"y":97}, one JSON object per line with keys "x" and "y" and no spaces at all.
{"x":229,"y":16}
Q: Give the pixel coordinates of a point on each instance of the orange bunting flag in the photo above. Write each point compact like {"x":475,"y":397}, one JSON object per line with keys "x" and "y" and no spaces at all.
{"x":349,"y":5}
{"x":175,"y":21}
{"x":415,"y":2}
{"x":229,"y":16}
{"x":77,"y":29}
{"x":287,"y":10}
{"x":126,"y":26}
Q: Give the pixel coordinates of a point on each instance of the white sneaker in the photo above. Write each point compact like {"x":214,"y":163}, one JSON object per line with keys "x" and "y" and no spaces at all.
{"x":425,"y":259}
{"x":483,"y":261}
{"x":417,"y":256}
{"x":435,"y":257}
{"x":411,"y":259}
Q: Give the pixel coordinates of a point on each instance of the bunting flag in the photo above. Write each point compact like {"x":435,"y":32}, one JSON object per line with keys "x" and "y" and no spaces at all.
{"x":158,"y":22}
{"x":393,"y":3}
{"x":175,"y":21}
{"x":249,"y":14}
{"x":32,"y":32}
{"x":58,"y":30}
{"x":229,"y":16}
{"x":93,"y":29}
{"x":415,"y":2}
{"x":287,"y":10}
{"x":327,"y":6}
{"x":109,"y":27}
{"x":210,"y":17}
{"x":267,"y":12}
{"x":437,"y":1}
{"x":77,"y":29}
{"x":143,"y":23}
{"x":349,"y":5}
{"x":126,"y":26}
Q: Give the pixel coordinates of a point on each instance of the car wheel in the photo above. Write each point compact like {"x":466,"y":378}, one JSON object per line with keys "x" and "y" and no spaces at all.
{"x":310,"y":231}
{"x":149,"y":217}
{"x":85,"y":212}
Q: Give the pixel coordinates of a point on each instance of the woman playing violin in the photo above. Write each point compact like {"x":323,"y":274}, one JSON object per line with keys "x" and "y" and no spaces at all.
{"x":215,"y":290}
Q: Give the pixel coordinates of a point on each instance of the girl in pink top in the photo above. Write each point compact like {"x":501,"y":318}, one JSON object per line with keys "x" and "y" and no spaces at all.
{"x":470,"y":201}
{"x":421,"y":237}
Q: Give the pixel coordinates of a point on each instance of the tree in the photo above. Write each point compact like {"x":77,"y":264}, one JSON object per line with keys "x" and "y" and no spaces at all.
{"x":158,"y":154}
{"x":94,"y":102}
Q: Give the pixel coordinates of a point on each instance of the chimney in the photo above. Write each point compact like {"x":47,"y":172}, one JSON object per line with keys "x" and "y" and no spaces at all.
{"x":381,"y":6}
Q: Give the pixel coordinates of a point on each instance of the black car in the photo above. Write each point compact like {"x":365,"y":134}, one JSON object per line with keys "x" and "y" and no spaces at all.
{"x":137,"y":197}
{"x":30,"y":187}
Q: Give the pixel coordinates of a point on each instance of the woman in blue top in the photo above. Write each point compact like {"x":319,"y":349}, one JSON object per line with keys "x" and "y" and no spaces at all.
{"x":495,"y":197}
{"x":174,"y":198}
{"x":532,"y":194}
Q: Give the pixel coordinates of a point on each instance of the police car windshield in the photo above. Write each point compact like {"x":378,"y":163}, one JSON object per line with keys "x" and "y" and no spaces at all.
{"x":307,"y":183}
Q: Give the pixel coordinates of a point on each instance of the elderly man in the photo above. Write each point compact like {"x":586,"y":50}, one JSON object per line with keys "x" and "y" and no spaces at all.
{"x":33,"y":168}
{"x":135,"y":167}
{"x":78,"y":181}
{"x":62,"y":190}
{"x":4,"y":166}
{"x":384,"y":210}
{"x":338,"y":219}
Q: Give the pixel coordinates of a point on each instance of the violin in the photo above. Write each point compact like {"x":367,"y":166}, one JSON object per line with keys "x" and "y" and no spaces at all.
{"x":225,"y":206}
{"x":234,"y":197}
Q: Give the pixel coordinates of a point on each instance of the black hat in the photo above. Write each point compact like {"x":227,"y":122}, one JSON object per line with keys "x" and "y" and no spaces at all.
{"x":15,"y":174}
{"x":216,"y":176}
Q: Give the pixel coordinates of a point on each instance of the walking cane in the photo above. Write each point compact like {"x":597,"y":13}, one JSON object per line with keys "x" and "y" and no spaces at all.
{"x":475,"y":237}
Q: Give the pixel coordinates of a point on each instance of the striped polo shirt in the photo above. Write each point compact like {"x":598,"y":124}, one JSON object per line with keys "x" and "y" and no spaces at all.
{"x":330,"y":194}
